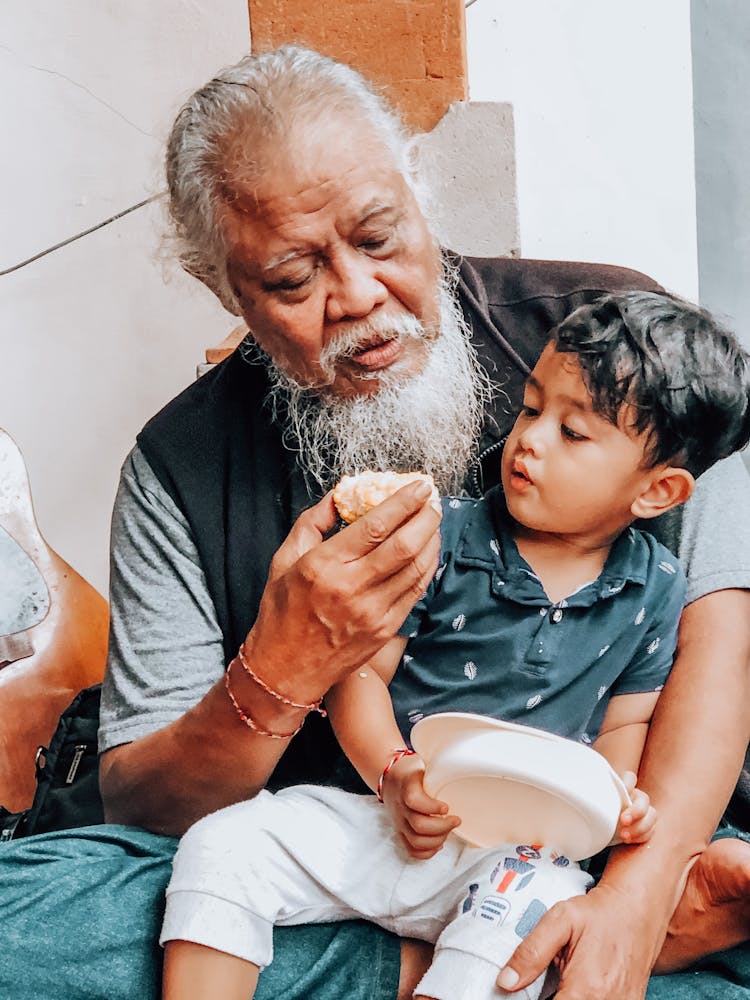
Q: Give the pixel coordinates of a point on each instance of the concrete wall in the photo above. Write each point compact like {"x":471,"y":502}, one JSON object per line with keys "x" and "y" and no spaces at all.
{"x":93,"y":340}
{"x":602,"y":98}
{"x":721,"y":61}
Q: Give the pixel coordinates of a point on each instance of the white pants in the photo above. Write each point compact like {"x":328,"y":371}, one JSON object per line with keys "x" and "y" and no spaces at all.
{"x":310,"y":854}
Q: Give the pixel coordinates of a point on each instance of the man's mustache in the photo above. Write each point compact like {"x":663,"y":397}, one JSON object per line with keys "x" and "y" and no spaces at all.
{"x":367,"y":333}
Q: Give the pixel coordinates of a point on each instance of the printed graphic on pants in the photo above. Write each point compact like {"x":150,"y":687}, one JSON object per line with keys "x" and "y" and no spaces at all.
{"x":530,"y":917}
{"x":494,"y":909}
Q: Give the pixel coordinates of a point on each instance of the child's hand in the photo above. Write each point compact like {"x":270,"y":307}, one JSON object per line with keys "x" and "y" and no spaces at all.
{"x":637,"y":821}
{"x":422,"y":821}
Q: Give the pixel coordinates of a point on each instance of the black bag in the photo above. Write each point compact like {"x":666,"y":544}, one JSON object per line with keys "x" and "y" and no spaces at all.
{"x":67,"y":775}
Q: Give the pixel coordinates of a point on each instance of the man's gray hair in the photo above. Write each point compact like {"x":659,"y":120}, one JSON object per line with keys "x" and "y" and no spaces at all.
{"x":261,"y":98}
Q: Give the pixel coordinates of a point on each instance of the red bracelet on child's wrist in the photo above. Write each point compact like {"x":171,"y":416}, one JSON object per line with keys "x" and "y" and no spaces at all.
{"x":397,"y":755}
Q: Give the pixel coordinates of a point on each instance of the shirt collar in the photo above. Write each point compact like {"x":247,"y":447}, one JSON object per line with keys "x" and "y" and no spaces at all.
{"x":486,"y":543}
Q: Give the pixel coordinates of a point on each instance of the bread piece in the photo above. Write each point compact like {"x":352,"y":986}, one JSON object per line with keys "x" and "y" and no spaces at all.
{"x":355,"y":495}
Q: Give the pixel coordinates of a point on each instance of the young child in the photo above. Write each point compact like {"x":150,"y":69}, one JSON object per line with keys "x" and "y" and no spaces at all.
{"x":547,"y":608}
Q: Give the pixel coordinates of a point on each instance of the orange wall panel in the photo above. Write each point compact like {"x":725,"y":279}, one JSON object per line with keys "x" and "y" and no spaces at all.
{"x":414,"y":49}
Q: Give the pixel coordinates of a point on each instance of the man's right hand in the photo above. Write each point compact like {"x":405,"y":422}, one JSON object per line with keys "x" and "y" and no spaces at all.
{"x":330,"y":604}
{"x":602,"y":944}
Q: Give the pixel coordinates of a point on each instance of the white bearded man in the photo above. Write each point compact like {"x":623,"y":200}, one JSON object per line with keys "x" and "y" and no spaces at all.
{"x":293,"y":199}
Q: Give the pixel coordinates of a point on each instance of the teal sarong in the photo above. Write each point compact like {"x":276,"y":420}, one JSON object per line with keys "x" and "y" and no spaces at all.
{"x":80,"y":913}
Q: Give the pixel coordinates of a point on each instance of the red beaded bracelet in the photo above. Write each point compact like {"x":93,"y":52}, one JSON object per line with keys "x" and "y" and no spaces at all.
{"x":397,"y":755}
{"x":250,"y":723}
{"x":313,"y":706}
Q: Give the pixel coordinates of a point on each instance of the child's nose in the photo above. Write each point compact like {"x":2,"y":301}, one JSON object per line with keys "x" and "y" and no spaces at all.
{"x":531,"y":439}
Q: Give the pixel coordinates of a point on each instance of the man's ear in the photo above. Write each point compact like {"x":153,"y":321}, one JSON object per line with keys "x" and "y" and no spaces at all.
{"x":668,"y":487}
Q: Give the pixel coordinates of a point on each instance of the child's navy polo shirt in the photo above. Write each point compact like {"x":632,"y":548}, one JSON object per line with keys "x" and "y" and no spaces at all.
{"x":486,"y":638}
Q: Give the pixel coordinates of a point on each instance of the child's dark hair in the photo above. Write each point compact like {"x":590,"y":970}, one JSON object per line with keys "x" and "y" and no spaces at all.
{"x":686,"y":378}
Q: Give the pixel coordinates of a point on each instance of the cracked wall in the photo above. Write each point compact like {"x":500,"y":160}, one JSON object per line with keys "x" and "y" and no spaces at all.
{"x":94,"y":339}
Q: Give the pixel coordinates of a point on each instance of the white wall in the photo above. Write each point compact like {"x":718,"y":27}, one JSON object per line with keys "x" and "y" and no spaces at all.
{"x":602,"y":97}
{"x":721,"y":60}
{"x":92,"y":339}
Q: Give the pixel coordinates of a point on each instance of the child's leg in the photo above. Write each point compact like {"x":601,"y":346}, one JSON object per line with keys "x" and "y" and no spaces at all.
{"x":506,"y":897}
{"x":193,"y":972}
{"x":296,"y":857}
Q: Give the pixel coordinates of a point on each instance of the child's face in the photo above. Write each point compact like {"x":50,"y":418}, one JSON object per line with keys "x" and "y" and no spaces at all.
{"x":565,"y":469}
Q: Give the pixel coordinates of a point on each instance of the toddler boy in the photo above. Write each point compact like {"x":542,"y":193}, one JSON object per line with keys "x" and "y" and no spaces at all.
{"x":548,"y":608}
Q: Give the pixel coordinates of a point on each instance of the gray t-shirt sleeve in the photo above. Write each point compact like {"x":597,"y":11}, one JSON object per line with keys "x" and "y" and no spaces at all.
{"x":165,"y":645}
{"x":711,"y":534}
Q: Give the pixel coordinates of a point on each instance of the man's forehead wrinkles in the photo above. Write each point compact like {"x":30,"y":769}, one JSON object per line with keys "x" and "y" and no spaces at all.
{"x":311,"y":192}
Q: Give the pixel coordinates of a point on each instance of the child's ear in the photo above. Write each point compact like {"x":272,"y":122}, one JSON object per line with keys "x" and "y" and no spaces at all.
{"x":667,"y":488}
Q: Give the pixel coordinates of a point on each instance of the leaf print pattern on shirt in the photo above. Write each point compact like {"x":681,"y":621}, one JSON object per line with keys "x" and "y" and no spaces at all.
{"x":534,"y":700}
{"x":638,"y":620}
{"x":470,"y":670}
{"x":653,"y":646}
{"x":603,"y":650}
{"x":494,"y":546}
{"x":454,"y":503}
{"x":667,"y":567}
{"x":458,"y":622}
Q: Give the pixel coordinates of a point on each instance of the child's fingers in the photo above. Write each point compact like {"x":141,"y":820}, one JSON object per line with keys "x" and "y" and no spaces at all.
{"x":417,"y":799}
{"x":640,"y":831}
{"x":639,"y":806}
{"x":418,"y":824}
{"x":629,"y":779}
{"x":423,"y":847}
{"x":639,"y":801}
{"x":637,"y":821}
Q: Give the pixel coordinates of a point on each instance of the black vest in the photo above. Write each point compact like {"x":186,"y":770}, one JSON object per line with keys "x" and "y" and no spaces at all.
{"x":218,"y":454}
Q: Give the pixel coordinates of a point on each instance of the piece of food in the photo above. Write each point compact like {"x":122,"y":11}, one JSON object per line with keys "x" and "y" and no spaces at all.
{"x":355,"y":495}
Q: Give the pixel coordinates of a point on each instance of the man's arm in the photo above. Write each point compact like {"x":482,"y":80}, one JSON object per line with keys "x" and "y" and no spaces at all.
{"x":337,"y":601}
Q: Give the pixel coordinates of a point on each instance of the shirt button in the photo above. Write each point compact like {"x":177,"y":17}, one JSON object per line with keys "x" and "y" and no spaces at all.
{"x":557,"y":615}
{"x":542,"y":612}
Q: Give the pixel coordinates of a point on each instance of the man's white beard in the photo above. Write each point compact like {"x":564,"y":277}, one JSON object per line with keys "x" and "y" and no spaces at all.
{"x":428,"y":422}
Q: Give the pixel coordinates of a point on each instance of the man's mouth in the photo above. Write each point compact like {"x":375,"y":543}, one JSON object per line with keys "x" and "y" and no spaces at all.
{"x":377,"y":354}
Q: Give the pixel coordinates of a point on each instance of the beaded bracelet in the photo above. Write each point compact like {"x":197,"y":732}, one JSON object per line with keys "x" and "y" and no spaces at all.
{"x":250,"y":723}
{"x":397,"y":755}
{"x":314,"y":706}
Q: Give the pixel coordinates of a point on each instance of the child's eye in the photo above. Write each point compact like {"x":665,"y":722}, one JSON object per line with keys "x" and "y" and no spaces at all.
{"x":571,"y":435}
{"x":529,"y":411}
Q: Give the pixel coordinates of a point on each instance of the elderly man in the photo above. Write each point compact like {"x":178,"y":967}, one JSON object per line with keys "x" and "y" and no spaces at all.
{"x":293,"y":201}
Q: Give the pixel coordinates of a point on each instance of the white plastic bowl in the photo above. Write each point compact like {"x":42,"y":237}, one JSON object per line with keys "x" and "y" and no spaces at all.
{"x":513,"y":784}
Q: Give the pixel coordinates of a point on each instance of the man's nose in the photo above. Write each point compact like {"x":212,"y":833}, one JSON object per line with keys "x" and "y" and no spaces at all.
{"x":355,"y":289}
